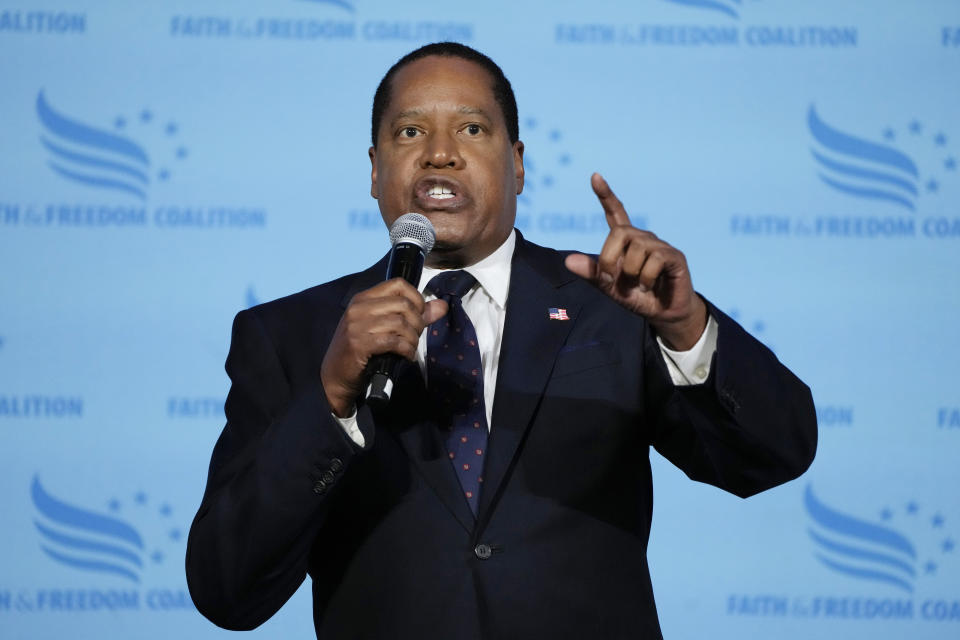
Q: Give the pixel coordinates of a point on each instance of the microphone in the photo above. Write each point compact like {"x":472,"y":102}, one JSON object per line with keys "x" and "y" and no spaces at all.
{"x":412,"y":237}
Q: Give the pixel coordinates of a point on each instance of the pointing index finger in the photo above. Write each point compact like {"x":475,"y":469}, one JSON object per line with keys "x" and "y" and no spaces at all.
{"x":612,"y":207}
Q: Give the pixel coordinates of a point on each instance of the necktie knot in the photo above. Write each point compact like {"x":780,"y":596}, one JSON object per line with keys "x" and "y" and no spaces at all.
{"x":451,"y":284}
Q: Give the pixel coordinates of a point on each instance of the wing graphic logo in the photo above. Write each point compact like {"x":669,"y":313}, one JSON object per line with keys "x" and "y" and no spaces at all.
{"x":858,"y":548}
{"x":875,"y":551}
{"x":726,"y":7}
{"x":99,"y":158}
{"x":346,"y":6}
{"x":870,"y":170}
{"x":86,"y":540}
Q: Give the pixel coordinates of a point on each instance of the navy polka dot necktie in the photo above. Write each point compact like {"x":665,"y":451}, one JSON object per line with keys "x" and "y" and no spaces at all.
{"x":455,"y":382}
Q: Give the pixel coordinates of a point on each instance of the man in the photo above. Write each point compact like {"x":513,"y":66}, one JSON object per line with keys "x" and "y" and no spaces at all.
{"x":515,"y":502}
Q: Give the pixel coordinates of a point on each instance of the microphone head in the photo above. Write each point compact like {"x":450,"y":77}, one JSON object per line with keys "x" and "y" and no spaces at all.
{"x":415,"y":229}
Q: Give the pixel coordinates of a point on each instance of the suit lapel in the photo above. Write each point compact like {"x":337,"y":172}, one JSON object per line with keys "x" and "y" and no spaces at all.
{"x":531,"y":341}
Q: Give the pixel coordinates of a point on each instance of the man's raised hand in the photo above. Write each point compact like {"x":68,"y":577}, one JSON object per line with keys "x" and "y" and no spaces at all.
{"x":644,"y":274}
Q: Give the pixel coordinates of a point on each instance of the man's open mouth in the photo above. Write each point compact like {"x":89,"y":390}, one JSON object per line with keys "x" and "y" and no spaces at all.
{"x":439,"y":193}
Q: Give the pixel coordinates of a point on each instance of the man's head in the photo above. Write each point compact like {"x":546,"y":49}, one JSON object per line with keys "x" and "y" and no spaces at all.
{"x":446,"y":145}
{"x":502,"y":91}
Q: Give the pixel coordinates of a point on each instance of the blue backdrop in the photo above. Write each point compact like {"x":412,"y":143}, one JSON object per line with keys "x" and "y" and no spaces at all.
{"x":166,"y":164}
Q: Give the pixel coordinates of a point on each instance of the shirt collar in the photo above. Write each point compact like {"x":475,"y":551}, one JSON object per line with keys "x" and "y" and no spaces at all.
{"x":492,"y":273}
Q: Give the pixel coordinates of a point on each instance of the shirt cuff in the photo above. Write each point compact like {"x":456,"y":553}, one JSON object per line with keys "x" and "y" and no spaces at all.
{"x":349,"y":426}
{"x":692,"y":366}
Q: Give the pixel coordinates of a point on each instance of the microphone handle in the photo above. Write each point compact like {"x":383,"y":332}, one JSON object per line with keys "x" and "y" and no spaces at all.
{"x":406,"y":261}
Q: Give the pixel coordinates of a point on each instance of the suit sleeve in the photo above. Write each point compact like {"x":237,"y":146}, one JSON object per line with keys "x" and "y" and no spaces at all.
{"x":749,"y":427}
{"x":279,"y":457}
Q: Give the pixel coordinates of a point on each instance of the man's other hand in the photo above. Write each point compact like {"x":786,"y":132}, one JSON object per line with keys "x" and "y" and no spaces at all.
{"x":644,"y":274}
{"x":386,"y":318}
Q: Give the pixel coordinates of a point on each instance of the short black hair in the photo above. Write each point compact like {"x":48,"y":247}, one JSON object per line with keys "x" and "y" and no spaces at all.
{"x":502,"y":91}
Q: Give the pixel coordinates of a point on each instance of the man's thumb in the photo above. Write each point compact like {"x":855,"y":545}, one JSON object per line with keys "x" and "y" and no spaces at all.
{"x":582,"y":265}
{"x":434,"y":310}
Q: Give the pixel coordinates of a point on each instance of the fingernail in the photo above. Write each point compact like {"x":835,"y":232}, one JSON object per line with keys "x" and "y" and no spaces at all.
{"x":605,"y":278}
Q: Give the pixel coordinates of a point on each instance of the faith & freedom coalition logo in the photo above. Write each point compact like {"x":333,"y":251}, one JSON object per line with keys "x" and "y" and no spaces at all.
{"x":707,"y":24}
{"x":118,"y":166}
{"x":120,"y":546}
{"x":901,"y":181}
{"x":105,"y":159}
{"x":902,"y":555}
{"x":865,"y":169}
{"x":326,"y":21}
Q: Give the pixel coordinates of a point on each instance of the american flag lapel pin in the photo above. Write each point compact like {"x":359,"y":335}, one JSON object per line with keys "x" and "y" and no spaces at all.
{"x":558,"y":314}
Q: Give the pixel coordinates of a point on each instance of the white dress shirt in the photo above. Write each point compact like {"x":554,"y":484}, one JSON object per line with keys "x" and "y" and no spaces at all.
{"x":486,"y":306}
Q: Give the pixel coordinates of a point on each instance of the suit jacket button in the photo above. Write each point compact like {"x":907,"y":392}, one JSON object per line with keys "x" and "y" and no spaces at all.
{"x":336,"y":465}
{"x":320,"y":487}
{"x":482,"y":551}
{"x":327,"y":477}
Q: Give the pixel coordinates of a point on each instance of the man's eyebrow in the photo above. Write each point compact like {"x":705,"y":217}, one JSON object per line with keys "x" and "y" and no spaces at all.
{"x":417,"y":112}
{"x":472,"y":111}
{"x":409,"y":113}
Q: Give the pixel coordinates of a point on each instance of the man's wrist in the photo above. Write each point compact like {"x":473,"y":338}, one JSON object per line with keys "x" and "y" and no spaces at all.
{"x":682,"y":334}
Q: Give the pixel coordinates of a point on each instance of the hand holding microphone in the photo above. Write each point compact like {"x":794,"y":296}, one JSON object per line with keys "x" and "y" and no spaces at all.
{"x":382,"y":324}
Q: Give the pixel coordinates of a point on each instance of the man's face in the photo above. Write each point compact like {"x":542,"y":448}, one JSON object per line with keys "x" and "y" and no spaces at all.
{"x":443,"y":151}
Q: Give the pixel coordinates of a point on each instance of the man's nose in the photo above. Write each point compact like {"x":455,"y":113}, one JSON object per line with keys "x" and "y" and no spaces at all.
{"x":441,"y":152}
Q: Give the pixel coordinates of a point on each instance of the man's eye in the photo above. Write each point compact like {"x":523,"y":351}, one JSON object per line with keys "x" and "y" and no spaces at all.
{"x":409,"y":132}
{"x":473,"y":129}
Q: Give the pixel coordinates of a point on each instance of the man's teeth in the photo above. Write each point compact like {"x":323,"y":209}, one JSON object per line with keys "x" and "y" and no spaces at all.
{"x":441,"y":192}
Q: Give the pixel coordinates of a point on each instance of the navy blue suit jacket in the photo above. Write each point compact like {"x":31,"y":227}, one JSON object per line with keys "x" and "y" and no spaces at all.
{"x":558,"y":549}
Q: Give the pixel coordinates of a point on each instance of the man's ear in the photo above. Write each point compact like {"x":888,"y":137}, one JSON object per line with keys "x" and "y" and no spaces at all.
{"x":372,"y":152}
{"x":518,"y":164}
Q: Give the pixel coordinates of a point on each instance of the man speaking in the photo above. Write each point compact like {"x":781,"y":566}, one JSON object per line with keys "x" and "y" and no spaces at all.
{"x":505,"y":491}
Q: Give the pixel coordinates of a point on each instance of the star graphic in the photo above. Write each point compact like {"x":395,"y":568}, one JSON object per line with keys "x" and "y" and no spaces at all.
{"x":555,"y":135}
{"x":531,"y":123}
{"x":759,"y":326}
{"x":548,"y":181}
{"x":114,"y":505}
{"x":120,"y":122}
{"x":171,"y":128}
{"x":932,"y":186}
{"x":157,"y":556}
{"x":947,"y":545}
{"x":950,"y":163}
{"x":940,"y":139}
{"x":146,"y":116}
{"x":165,"y":510}
{"x":886,"y":514}
{"x":930,"y":567}
{"x":915,"y":127}
{"x":181,"y":152}
{"x":140,"y":498}
{"x":163,"y":175}
{"x":175,"y":534}
{"x":937,"y":521}
{"x":564,"y":159}
{"x":888,"y":134}
{"x":912,"y":507}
